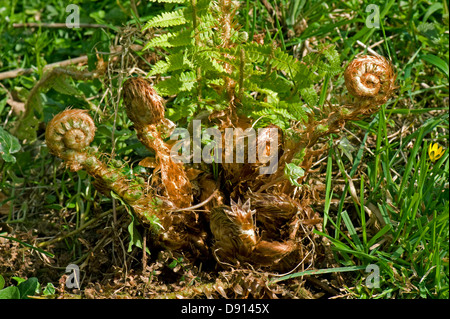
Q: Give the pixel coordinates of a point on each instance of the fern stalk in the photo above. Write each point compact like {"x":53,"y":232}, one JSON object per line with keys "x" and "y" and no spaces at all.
{"x":197,"y":44}
{"x":241,"y":74}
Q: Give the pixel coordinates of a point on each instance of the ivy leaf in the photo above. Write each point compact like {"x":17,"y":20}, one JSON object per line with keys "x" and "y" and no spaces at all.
{"x":9,"y":144}
{"x":28,"y":287}
{"x":11,"y":292}
{"x":49,"y":289}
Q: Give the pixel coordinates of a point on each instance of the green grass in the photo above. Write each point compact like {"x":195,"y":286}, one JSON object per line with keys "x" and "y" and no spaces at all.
{"x":411,"y":248}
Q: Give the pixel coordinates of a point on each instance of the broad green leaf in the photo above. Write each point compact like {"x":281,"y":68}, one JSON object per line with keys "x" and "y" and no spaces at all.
{"x":27,"y":126}
{"x":9,"y":144}
{"x":11,"y":292}
{"x":347,"y":148}
{"x":28,"y":287}
{"x":135,"y":236}
{"x":2,"y":282}
{"x":62,"y":85}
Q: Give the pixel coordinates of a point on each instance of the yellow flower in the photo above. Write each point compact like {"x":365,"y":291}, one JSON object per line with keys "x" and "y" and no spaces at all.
{"x":435,"y":152}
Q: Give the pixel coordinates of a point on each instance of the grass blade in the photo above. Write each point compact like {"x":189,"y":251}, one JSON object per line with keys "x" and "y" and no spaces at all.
{"x":29,"y":246}
{"x":320,"y":272}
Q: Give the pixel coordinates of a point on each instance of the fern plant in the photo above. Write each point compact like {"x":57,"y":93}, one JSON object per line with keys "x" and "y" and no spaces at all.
{"x":212,"y":70}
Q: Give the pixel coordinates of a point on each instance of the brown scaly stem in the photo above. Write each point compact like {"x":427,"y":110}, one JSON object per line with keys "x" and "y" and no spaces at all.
{"x":146,"y":109}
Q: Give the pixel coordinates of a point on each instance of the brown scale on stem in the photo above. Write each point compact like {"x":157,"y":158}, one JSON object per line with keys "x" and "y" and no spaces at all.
{"x":237,"y":239}
{"x":234,"y":231}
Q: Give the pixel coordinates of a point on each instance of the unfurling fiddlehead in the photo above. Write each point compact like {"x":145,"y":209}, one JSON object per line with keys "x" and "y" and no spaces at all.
{"x":68,"y":134}
{"x":146,"y":109}
{"x":234,"y":230}
{"x":143,"y":105}
{"x":370,"y":78}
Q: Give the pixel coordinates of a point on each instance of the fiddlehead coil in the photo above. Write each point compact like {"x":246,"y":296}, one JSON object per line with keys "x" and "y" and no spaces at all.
{"x":69,"y":133}
{"x":370,"y":78}
{"x":143,"y":105}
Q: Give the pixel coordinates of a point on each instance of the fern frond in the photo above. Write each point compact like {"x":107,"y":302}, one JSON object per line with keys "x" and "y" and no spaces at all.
{"x":174,"y":62}
{"x":273,"y":81}
{"x":284,"y":113}
{"x":169,"y":40}
{"x":305,"y":76}
{"x":333,"y":64}
{"x":166,"y":19}
{"x":207,"y":60}
{"x":185,"y":81}
{"x":205,"y":29}
{"x":159,"y":67}
{"x":183,"y":110}
{"x":333,"y":56}
{"x":282,"y":61}
{"x":309,"y":95}
{"x":267,"y":116}
{"x":298,"y":110}
{"x":277,"y":59}
{"x":189,"y":79}
{"x":325,"y":61}
{"x":257,"y":53}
